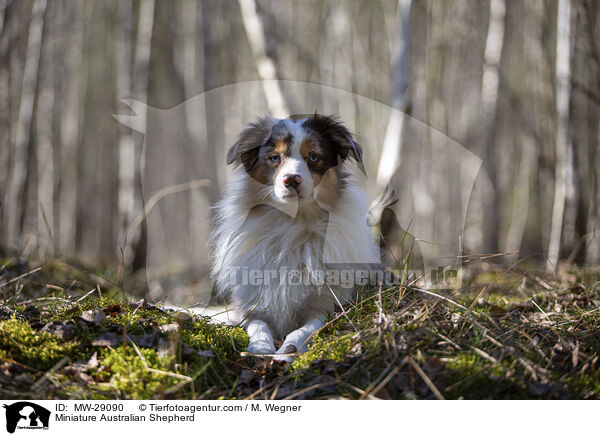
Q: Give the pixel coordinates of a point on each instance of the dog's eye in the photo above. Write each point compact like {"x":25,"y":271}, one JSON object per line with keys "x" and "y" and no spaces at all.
{"x":274,"y":158}
{"x":313,"y":158}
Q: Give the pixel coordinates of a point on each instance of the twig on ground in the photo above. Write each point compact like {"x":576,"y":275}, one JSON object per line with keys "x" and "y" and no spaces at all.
{"x":386,"y":380}
{"x":342,"y":308}
{"x":258,"y":391}
{"x":20,"y":277}
{"x":186,"y":378}
{"x":425,"y":378}
{"x":62,"y":362}
{"x":360,"y":391}
{"x":380,"y":378}
{"x":311,"y":388}
{"x":484,"y":355}
{"x":85,"y":296}
{"x":42,"y":299}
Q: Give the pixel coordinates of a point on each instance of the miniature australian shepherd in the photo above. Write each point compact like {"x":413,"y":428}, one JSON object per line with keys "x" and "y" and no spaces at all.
{"x":293,"y":219}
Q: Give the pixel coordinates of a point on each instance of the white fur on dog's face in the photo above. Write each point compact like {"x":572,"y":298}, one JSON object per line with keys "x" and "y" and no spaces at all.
{"x":293,"y":163}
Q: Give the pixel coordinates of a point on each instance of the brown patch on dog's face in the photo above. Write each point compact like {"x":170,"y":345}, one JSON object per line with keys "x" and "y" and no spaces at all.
{"x":282,"y":145}
{"x":271,"y":154}
{"x":320,"y":157}
{"x":245,"y":150}
{"x":261,"y":148}
{"x":323,"y":162}
{"x":333,"y":135}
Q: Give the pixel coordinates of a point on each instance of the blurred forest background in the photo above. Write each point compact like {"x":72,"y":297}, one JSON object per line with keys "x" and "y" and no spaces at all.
{"x":517,"y":83}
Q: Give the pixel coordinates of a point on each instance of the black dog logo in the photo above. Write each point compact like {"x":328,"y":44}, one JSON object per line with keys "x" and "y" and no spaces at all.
{"x":33,"y":416}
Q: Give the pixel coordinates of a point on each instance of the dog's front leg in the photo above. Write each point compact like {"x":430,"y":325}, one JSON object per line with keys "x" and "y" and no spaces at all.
{"x":261,"y":339}
{"x":298,"y":339}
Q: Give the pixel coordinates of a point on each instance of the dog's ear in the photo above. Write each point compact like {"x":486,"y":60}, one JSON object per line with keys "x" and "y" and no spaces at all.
{"x":331,"y":130}
{"x":251,"y":138}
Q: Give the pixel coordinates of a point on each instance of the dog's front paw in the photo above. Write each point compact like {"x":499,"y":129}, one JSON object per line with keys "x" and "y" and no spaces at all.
{"x":261,"y":346}
{"x":285,"y":351}
{"x":283,"y":358}
{"x":288,"y":349}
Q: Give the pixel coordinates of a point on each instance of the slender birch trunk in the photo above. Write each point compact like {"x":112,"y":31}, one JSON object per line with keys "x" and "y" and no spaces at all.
{"x":337,"y":63}
{"x":593,"y":246}
{"x":44,"y":147}
{"x":13,"y":207}
{"x":265,"y":66}
{"x":127,"y":163}
{"x":5,"y":127}
{"x":563,"y":90}
{"x":134,"y":249}
{"x":141,"y":66}
{"x":392,"y":143}
{"x":70,"y":126}
{"x":192,"y":43}
{"x":521,"y":199}
{"x":489,"y":106}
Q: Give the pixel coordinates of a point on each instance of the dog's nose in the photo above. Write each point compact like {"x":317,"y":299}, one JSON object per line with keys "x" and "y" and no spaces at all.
{"x":292,"y":180}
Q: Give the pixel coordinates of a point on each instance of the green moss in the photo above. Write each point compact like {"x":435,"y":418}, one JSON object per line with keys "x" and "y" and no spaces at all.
{"x":224,"y":340}
{"x":70,"y":312}
{"x":504,"y":300}
{"x":37,"y":349}
{"x":123,"y":370}
{"x":585,"y":384}
{"x":141,"y":322}
{"x":119,"y":313}
{"x":469,"y":376}
{"x":324,"y":348}
{"x":504,"y":279}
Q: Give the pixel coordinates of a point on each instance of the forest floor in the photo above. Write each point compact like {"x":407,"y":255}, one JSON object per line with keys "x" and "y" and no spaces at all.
{"x":508,"y":333}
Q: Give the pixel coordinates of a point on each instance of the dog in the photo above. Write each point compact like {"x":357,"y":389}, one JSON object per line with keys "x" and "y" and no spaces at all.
{"x":293,"y":209}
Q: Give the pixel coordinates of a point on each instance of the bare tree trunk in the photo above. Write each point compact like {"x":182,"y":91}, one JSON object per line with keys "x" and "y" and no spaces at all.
{"x":593,"y":250}
{"x":3,"y":6}
{"x":13,"y":208}
{"x":191,"y":48}
{"x":133,"y":169}
{"x":192,"y":44}
{"x":520,"y":204}
{"x":44,"y":147}
{"x":142,"y":57}
{"x":392,"y":143}
{"x":70,"y":127}
{"x":217,"y":70}
{"x":336,"y":60}
{"x":5,"y":127}
{"x":524,"y":177}
{"x":489,"y":104}
{"x":127,"y":162}
{"x":265,"y":66}
{"x":563,"y":91}
{"x":142,"y":49}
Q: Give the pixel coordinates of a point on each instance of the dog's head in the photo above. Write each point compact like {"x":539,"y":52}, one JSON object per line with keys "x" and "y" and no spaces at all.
{"x":297,"y":159}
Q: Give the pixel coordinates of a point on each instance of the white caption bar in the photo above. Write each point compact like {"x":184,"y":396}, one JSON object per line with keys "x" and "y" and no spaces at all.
{"x":155,"y":417}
